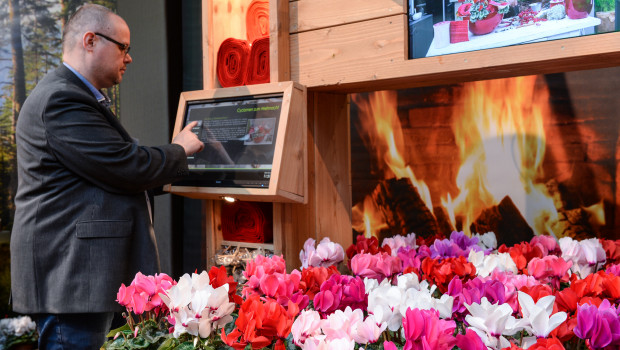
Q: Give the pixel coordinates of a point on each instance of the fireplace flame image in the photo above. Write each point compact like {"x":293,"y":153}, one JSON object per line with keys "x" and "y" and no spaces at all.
{"x":500,"y":142}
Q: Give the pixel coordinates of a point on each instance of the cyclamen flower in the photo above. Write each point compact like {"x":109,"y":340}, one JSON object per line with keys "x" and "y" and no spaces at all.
{"x":470,"y":341}
{"x":551,"y":268}
{"x":613,"y":269}
{"x":196,"y":307}
{"x":472,"y":292}
{"x":306,"y":325}
{"x":587,"y":255}
{"x":487,"y":241}
{"x":548,"y":244}
{"x":423,"y":329}
{"x":398,"y":241}
{"x":326,"y":254}
{"x":260,"y":324}
{"x":422,"y":299}
{"x":485,"y":264}
{"x":377,"y":266}
{"x":539,"y":315}
{"x":340,"y":291}
{"x":492,"y":321}
{"x":600,"y":325}
{"x":385,"y":302}
{"x":143,"y":294}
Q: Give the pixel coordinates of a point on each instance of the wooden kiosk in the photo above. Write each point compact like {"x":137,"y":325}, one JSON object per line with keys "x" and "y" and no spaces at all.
{"x":337,"y":47}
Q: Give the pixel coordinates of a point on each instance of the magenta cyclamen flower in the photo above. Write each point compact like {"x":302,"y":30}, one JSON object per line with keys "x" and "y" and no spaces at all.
{"x":458,"y":245}
{"x":377,"y":266}
{"x":340,"y":291}
{"x":472,"y":292}
{"x":600,"y":325}
{"x":423,"y":329}
{"x":613,"y":269}
{"x":470,"y":341}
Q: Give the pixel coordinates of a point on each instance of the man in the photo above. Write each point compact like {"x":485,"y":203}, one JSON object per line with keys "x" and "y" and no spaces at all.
{"x":82,"y":221}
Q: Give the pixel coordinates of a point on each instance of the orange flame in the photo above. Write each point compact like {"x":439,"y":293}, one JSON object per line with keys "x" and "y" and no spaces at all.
{"x":379,"y":115}
{"x":501,"y":138}
{"x":499,"y":131}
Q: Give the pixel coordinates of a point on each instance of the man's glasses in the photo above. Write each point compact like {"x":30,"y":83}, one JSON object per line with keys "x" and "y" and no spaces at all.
{"x":124,"y":47}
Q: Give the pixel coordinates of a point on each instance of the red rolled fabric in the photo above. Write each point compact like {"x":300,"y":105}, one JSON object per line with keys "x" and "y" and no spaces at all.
{"x":232,"y":62}
{"x":459,"y":31}
{"x":246,"y":222}
{"x":257,"y":20}
{"x":258,"y":64}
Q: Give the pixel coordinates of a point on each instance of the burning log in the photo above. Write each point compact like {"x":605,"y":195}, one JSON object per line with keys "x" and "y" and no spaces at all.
{"x":574,"y":223}
{"x":506,"y":221}
{"x":403,"y":209}
{"x":443,"y":221}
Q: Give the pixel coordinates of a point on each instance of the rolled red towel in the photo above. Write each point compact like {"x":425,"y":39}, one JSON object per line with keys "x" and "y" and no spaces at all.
{"x":258,"y":64}
{"x":459,"y":31}
{"x":232,"y":62}
{"x":246,"y":222}
{"x":257,"y":20}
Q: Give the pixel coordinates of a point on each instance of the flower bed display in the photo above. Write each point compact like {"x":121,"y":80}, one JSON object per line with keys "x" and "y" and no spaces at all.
{"x":407,"y":293}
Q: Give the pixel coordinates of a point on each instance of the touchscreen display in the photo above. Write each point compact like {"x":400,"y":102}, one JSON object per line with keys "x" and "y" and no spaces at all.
{"x":239,"y":137}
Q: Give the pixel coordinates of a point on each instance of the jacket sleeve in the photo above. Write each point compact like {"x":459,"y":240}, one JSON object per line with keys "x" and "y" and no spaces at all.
{"x":87,"y":142}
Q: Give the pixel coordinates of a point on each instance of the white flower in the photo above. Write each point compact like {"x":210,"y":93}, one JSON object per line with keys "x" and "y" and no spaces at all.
{"x":486,"y":264}
{"x":368,"y":330}
{"x":423,"y":299}
{"x":486,"y":241}
{"x":340,"y":324}
{"x":409,"y":280}
{"x":493,"y":319}
{"x":587,"y":255}
{"x":384,"y":302}
{"x":538,"y":314}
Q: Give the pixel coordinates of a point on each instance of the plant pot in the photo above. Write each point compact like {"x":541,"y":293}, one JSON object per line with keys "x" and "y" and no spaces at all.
{"x":608,"y":21}
{"x":485,"y":26}
{"x":576,"y":9}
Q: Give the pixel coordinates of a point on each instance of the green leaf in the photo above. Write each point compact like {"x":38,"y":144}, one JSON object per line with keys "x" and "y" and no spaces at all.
{"x":138,"y":343}
{"x":113,"y":332}
{"x":116,"y":344}
{"x":168,"y":344}
{"x":185,"y":346}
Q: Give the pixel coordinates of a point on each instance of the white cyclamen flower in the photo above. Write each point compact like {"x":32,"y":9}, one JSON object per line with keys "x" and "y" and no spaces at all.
{"x":384,"y":302}
{"x":486,"y":264}
{"x":539,"y":315}
{"x":493,"y":319}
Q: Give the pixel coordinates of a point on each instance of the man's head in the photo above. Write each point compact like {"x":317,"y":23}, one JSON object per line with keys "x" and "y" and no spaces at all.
{"x":95,"y":42}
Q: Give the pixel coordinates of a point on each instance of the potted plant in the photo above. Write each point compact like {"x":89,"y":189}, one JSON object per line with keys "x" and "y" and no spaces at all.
{"x":18,"y":333}
{"x":484,"y":15}
{"x":606,"y":12}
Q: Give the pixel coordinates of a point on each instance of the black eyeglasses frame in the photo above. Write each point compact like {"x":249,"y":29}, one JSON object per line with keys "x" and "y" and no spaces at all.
{"x":124,"y":47}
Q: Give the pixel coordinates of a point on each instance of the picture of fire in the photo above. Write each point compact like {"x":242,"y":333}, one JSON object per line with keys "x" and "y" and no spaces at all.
{"x":523,"y":156}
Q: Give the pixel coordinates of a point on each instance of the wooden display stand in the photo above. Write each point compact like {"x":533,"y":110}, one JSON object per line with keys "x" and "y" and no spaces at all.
{"x":337,"y":47}
{"x":289,"y":178}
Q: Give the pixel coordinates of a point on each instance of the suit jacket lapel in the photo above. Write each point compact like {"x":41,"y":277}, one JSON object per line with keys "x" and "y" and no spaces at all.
{"x":107,"y":113}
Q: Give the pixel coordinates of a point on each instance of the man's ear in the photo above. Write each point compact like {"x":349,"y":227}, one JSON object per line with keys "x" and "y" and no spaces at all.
{"x":88,"y":41}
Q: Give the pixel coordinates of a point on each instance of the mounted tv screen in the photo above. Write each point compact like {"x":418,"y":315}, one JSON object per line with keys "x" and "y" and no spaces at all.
{"x":239,"y":136}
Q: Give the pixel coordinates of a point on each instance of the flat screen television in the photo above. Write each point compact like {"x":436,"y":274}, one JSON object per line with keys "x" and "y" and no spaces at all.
{"x":253,"y":136}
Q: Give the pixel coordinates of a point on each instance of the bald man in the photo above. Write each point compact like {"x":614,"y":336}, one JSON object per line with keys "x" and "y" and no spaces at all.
{"x":83,"y":221}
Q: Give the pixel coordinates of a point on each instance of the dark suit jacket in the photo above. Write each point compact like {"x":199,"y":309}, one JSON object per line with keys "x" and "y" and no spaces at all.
{"x":81,"y":224}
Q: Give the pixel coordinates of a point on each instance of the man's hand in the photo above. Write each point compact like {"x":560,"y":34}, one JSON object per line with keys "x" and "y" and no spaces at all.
{"x":188,"y":140}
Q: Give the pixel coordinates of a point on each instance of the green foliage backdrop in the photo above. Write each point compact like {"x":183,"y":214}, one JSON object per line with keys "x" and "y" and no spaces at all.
{"x":30,"y":46}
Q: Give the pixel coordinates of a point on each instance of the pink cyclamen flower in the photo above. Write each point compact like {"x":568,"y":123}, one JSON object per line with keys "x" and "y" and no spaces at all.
{"x":423,"y":329}
{"x":377,"y":266}
{"x":388,"y":345}
{"x":470,"y":341}
{"x":326,"y":254}
{"x":340,"y":291}
{"x":550,"y":268}
{"x":307,"y":324}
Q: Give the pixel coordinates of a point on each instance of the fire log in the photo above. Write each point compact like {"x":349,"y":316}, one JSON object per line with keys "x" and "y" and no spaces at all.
{"x":506,"y":221}
{"x":403,"y":209}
